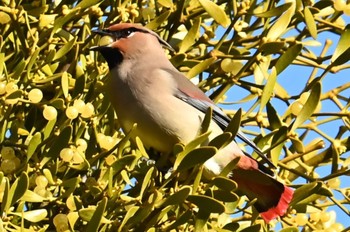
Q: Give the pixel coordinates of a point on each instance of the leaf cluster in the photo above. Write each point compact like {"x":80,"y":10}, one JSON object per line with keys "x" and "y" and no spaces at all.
{"x":66,"y":165}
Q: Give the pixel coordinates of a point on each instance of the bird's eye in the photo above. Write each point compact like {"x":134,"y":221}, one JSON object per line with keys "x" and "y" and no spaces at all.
{"x":129,"y":33}
{"x":126,"y":33}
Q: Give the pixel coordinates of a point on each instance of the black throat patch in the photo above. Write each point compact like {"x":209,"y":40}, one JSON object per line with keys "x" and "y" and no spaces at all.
{"x":112,"y":56}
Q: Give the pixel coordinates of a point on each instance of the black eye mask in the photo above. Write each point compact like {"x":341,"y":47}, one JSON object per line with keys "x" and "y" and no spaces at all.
{"x":122,"y":33}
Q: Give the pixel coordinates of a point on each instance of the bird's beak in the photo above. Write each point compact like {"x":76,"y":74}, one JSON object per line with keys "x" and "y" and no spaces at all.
{"x":101,"y":32}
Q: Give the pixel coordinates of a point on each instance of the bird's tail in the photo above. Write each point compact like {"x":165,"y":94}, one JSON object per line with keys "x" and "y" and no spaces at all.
{"x":272,"y":196}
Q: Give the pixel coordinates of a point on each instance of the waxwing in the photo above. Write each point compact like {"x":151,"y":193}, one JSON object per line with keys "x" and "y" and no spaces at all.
{"x":146,"y":89}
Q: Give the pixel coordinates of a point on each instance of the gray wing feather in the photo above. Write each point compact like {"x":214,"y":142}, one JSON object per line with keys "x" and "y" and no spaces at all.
{"x":222,"y":120}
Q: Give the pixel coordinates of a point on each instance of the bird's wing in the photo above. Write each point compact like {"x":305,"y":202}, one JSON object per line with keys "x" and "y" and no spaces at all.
{"x":193,"y":96}
{"x":222,"y":120}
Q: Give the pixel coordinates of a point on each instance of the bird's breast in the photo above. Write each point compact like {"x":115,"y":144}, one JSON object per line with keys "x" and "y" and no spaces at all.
{"x":162,"y":119}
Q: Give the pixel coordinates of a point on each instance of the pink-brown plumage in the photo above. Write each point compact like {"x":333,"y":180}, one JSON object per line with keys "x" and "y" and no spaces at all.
{"x":145,"y":88}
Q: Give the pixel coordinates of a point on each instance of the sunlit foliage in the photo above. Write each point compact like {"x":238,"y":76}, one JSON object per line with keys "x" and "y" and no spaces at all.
{"x":66,"y":165}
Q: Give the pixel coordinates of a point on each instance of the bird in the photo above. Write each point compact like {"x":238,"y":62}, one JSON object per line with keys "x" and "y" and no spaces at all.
{"x":145,"y":88}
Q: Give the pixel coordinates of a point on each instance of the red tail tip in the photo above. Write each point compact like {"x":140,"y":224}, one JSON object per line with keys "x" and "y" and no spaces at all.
{"x":281,"y":207}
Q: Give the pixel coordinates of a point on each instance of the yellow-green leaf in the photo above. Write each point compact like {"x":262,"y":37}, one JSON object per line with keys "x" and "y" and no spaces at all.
{"x":200,"y":67}
{"x":231,"y":66}
{"x":157,"y":218}
{"x":324,"y":191}
{"x":18,"y":70}
{"x":201,"y":220}
{"x":309,"y":106}
{"x":281,"y":24}
{"x":206,"y":121}
{"x":166,"y":3}
{"x":61,"y":21}
{"x":37,"y":10}
{"x":224,"y":183}
{"x":228,"y":168}
{"x":277,"y":144}
{"x":65,"y":84}
{"x":72,"y":218}
{"x":71,"y":185}
{"x":304,"y":191}
{"x":125,"y":140}
{"x":33,"y":144}
{"x":281,"y":92}
{"x":191,"y":36}
{"x":36,"y":215}
{"x":156,"y":22}
{"x":47,"y":70}
{"x":97,"y":216}
{"x":176,"y":60}
{"x":203,"y":138}
{"x":80,"y":85}
{"x":310,"y":22}
{"x":122,"y":163}
{"x":15,"y":94}
{"x":17,"y":190}
{"x":225,"y":196}
{"x":272,"y":47}
{"x":268,"y":89}
{"x":87,"y":214}
{"x":274,"y":120}
{"x":206,"y":204}
{"x":343,"y":43}
{"x":277,"y":11}
{"x":221,"y":140}
{"x":198,"y":179}
{"x":88,"y":3}
{"x":195,"y":157}
{"x":46,"y":19}
{"x":6,"y":199}
{"x":216,"y":12}
{"x":297,"y":145}
{"x":288,"y":57}
{"x":32,"y":59}
{"x":2,"y":63}
{"x":146,"y":181}
{"x":180,"y":220}
{"x":141,"y":147}
{"x":4,"y":18}
{"x":235,"y":123}
{"x":178,"y":197}
{"x":49,"y":128}
{"x":131,"y":212}
{"x":48,"y":175}
{"x":60,"y":142}
{"x":65,"y":49}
